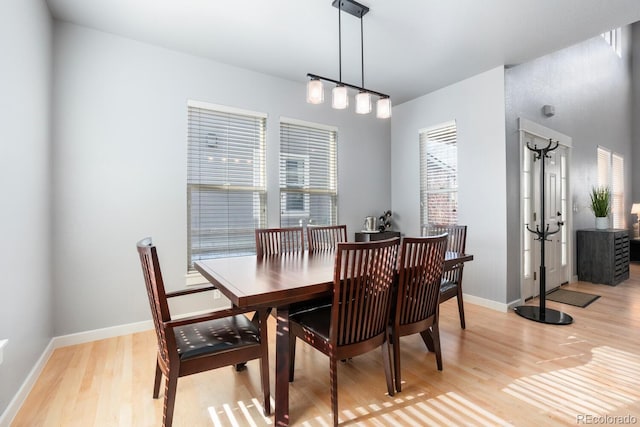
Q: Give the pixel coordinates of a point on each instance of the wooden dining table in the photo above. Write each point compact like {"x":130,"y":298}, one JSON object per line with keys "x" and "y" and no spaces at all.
{"x":278,"y":281}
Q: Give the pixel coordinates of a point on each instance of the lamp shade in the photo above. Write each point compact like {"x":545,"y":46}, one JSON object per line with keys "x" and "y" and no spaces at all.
{"x":363,"y":103}
{"x":315,"y":92}
{"x":383,"y":108}
{"x":340,"y":99}
{"x":635,"y":209}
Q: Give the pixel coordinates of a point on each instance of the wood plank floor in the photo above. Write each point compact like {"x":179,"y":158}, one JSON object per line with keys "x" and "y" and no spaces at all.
{"x":501,"y":370}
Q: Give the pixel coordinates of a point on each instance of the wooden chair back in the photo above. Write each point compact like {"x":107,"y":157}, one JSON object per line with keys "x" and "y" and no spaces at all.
{"x":416,"y":310}
{"x":157,"y":295}
{"x":456,"y":242}
{"x":276,"y":241}
{"x":326,"y":237}
{"x":201,"y":342}
{"x":419,"y":275}
{"x":363,"y":282}
{"x":451,"y":285}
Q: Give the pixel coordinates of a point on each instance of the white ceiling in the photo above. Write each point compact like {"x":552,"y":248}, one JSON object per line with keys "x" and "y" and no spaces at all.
{"x":411,"y":47}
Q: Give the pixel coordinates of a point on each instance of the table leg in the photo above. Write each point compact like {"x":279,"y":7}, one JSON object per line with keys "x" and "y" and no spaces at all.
{"x":282,"y":367}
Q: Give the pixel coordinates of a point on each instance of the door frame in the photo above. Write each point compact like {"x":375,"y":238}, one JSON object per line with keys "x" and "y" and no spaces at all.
{"x":528,"y":126}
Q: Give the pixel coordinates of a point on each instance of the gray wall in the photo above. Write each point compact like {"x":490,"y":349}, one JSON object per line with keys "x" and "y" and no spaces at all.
{"x":25,"y":172}
{"x":120,"y":115}
{"x":590,"y":87}
{"x":477,"y":106}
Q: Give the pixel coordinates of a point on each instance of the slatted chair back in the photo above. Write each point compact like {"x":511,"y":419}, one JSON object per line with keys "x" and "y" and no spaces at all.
{"x":456,"y":242}
{"x":420,"y":270}
{"x":452,"y":277}
{"x":363,"y":281}
{"x":157,"y":295}
{"x":199,"y":343}
{"x":321,"y":238}
{"x":419,"y":275}
{"x":356,"y":322}
{"x":277,"y":241}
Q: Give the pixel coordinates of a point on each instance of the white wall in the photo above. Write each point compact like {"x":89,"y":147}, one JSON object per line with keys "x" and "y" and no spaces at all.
{"x":477,"y":106}
{"x":120,"y":114}
{"x":25,"y":93}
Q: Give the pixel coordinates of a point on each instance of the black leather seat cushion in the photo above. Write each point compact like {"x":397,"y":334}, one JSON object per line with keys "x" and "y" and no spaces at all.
{"x":317,"y":320}
{"x":215,"y":336}
{"x":447,"y":285}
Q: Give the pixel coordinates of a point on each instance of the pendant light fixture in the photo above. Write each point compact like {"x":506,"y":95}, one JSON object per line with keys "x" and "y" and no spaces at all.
{"x":339,"y":94}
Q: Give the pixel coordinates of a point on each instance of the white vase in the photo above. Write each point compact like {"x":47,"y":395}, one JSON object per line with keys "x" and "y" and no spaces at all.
{"x":602,"y":222}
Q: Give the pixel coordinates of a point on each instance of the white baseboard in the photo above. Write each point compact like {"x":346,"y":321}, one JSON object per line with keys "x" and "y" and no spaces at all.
{"x":63,"y":341}
{"x":494,"y":305}
{"x":100,"y":334}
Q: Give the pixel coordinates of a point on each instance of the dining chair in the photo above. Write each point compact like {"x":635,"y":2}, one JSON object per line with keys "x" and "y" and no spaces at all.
{"x":277,"y":241}
{"x":416,"y":307}
{"x":325,"y":237}
{"x":201,"y":342}
{"x":452,"y":278}
{"x":356,"y":322}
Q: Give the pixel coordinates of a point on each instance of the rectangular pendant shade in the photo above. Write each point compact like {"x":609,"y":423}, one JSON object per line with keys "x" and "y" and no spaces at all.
{"x":315,"y":92}
{"x":340,"y":99}
{"x":363,"y":103}
{"x":383,"y":108}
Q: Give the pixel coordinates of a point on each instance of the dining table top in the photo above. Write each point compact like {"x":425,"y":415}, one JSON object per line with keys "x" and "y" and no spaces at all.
{"x":249,"y":281}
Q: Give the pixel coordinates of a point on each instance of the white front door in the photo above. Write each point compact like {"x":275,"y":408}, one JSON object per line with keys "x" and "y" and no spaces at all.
{"x":556,"y":215}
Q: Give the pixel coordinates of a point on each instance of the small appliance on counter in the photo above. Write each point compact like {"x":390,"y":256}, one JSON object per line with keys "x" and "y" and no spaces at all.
{"x":370,"y":224}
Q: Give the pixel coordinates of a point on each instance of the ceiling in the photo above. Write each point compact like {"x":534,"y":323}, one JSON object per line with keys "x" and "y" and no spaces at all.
{"x":411,"y":47}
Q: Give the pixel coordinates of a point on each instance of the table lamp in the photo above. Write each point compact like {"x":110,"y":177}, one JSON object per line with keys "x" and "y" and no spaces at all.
{"x":635,"y":209}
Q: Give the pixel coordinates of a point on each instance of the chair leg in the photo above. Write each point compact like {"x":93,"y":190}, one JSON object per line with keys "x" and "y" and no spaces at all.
{"x":158,"y":380}
{"x":395,"y":343}
{"x":170,"y":387}
{"x":333,"y":372}
{"x":292,"y":356}
{"x":386,"y":353}
{"x":435,"y":335}
{"x":428,"y":340}
{"x":461,"y":307}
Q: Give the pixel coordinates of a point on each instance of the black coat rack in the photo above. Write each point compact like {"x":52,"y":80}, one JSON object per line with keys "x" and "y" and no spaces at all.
{"x":542,"y":313}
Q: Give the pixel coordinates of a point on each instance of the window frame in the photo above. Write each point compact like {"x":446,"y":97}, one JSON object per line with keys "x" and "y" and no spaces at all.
{"x":446,"y":129}
{"x":254,"y":154}
{"x":313,"y":134}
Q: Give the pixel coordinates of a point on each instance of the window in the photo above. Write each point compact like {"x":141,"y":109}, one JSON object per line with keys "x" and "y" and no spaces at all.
{"x":439,"y":175}
{"x":611,"y":174}
{"x":614,"y":39}
{"x":308,"y":174}
{"x":226,"y":194}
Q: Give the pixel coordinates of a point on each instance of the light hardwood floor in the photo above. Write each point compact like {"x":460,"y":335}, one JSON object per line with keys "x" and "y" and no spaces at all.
{"x":501,"y":370}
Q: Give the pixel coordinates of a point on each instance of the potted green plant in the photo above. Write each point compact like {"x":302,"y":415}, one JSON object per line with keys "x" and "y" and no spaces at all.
{"x":601,"y":206}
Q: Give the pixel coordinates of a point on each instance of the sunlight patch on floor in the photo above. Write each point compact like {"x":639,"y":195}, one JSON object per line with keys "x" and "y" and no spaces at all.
{"x":603,"y":385}
{"x":448,"y":409}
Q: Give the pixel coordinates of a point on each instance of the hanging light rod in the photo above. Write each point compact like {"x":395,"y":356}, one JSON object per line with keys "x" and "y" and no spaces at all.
{"x":315,"y":90}
{"x":373,"y":92}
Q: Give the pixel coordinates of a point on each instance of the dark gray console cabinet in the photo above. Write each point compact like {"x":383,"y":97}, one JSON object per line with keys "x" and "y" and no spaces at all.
{"x":603,"y":256}
{"x":370,"y":237}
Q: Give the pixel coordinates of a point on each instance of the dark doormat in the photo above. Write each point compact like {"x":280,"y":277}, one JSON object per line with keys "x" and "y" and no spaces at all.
{"x":579,"y":299}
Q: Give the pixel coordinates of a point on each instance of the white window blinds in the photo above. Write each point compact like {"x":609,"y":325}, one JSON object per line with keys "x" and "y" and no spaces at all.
{"x":617,"y":191}
{"x":308,"y":174}
{"x":439,"y":175}
{"x":226,"y":194}
{"x":611,"y":175}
